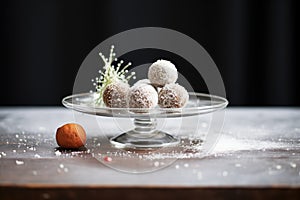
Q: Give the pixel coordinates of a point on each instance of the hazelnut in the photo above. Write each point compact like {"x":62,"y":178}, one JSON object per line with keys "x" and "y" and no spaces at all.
{"x":71,"y":136}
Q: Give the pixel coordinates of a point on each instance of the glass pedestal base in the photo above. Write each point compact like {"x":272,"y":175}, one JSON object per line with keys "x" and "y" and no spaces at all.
{"x":144,"y":136}
{"x":131,"y":139}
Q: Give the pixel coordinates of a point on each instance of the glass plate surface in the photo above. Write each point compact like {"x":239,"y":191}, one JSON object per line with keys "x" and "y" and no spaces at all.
{"x":199,"y":103}
{"x":145,"y":135}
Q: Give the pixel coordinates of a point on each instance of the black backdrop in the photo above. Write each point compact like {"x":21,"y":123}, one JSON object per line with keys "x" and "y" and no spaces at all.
{"x":252,"y":42}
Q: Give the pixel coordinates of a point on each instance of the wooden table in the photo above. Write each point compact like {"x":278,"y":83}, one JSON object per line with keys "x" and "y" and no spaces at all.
{"x":257,"y":156}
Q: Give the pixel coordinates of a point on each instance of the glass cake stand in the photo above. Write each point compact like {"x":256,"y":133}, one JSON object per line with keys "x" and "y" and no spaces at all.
{"x":145,"y":134}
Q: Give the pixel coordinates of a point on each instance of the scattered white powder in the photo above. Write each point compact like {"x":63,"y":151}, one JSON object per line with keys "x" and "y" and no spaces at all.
{"x":19,"y":162}
{"x":32,"y":148}
{"x":57,"y":153}
{"x":203,"y":124}
{"x":41,"y":128}
{"x":199,"y":175}
{"x":37,"y":156}
{"x":228,"y":143}
{"x":224,"y":173}
{"x":278,"y":167}
{"x":293,"y":165}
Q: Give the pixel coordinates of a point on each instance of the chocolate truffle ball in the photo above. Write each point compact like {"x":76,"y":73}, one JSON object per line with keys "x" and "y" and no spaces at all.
{"x":143,"y":81}
{"x":172,"y":96}
{"x":162,"y":72}
{"x":142,"y":96}
{"x":115,"y":95}
{"x":70,"y":136}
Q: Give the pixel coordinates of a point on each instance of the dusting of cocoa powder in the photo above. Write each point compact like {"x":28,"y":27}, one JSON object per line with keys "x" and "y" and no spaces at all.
{"x":71,"y":136}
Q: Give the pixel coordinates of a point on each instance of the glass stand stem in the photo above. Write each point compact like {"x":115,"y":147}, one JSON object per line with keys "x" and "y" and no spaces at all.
{"x":144,"y":136}
{"x":145,"y":127}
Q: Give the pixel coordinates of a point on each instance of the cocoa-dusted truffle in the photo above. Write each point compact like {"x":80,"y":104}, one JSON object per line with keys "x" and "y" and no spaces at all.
{"x":162,"y":72}
{"x":142,"y":96}
{"x":115,"y":95}
{"x":173,"y":96}
{"x":71,"y":136}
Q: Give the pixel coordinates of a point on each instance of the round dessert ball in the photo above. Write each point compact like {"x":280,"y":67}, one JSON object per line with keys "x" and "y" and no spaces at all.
{"x":70,"y":136}
{"x":143,"y":81}
{"x":115,"y":95}
{"x":173,"y":96}
{"x":142,"y":96}
{"x":147,"y":82}
{"x":162,"y":72}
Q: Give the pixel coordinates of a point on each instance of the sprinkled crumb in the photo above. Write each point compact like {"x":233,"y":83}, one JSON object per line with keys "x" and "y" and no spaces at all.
{"x":19,"y":162}
{"x":293,"y":165}
{"x":203,"y":124}
{"x":37,"y":156}
{"x":199,"y":175}
{"x":32,"y":148}
{"x":238,"y":165}
{"x":107,"y":159}
{"x":57,"y":153}
{"x":225,"y":173}
{"x":156,"y":163}
{"x":278,"y":167}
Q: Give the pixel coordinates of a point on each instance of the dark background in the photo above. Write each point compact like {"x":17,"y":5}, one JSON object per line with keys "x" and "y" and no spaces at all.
{"x":252,"y":42}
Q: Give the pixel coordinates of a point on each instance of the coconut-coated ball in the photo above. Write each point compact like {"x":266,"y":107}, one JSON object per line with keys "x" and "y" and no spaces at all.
{"x":173,"y":96}
{"x":142,"y":81}
{"x":143,"y":96}
{"x":115,"y":95}
{"x":162,"y":72}
{"x":71,"y":136}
